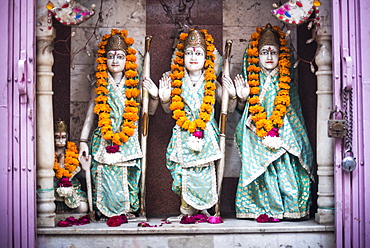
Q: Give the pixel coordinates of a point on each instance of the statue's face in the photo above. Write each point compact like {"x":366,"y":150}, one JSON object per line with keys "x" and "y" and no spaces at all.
{"x":60,"y":139}
{"x":269,"y":57}
{"x":194,"y":58}
{"x":116,"y":60}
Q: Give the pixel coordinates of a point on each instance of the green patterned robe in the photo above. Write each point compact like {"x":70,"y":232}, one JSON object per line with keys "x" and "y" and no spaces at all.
{"x":194,"y":173}
{"x":116,"y":176}
{"x":274,"y":182}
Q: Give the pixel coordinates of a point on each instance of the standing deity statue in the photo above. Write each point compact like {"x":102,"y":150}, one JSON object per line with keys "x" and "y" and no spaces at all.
{"x":271,"y":135}
{"x":68,"y":194}
{"x":115,"y":147}
{"x":190,"y":92}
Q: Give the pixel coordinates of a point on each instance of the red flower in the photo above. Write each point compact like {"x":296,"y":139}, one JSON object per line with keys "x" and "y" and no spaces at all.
{"x":64,"y":223}
{"x":263,"y":218}
{"x":83,"y":220}
{"x":64,"y":182}
{"x":117,"y":220}
{"x":112,"y":149}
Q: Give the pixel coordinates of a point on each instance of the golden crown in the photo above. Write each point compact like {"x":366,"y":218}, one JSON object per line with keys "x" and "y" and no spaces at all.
{"x":269,"y":36}
{"x":116,"y":42}
{"x":60,"y":126}
{"x":195,"y":38}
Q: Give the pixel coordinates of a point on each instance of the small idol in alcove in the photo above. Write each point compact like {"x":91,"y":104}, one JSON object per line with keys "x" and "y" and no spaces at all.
{"x":115,"y":148}
{"x":68,"y":194}
{"x":271,"y":135}
{"x":190,"y":91}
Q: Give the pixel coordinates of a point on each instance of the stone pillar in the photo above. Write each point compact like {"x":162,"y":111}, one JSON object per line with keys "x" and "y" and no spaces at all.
{"x":44,"y":127}
{"x":325,"y":147}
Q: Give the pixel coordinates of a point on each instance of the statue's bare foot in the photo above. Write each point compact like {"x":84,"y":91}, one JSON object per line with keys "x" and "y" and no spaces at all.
{"x":175,"y":218}
{"x":205,"y":212}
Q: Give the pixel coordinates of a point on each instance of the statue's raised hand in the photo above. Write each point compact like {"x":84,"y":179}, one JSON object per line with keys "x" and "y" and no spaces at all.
{"x":227,"y":83}
{"x":165,"y":88}
{"x":83,"y":154}
{"x":151,"y":87}
{"x":242,"y":87}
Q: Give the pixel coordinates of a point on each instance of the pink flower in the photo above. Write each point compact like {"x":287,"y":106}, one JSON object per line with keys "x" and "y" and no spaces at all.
{"x":281,"y":11}
{"x":198,"y":134}
{"x":117,"y":220}
{"x":112,"y":149}
{"x":83,"y":220}
{"x":64,"y":223}
{"x":215,"y":220}
{"x":64,"y":182}
{"x":273,"y":220}
{"x":274,"y":132}
{"x":262,"y":218}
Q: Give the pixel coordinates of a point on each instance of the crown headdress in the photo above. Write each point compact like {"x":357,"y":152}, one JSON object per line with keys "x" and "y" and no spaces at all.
{"x":269,"y":36}
{"x":116,"y":42}
{"x":60,"y":126}
{"x":195,"y":38}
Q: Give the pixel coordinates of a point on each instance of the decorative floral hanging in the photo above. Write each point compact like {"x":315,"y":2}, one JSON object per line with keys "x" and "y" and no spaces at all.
{"x":70,"y":162}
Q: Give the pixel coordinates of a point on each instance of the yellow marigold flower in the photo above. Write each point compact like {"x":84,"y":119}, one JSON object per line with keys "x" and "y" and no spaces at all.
{"x":104,"y":116}
{"x":175,"y":67}
{"x":192,"y":127}
{"x":106,"y":129}
{"x":285,"y":49}
{"x":260,"y":123}
{"x":134,"y":110}
{"x":259,"y":116}
{"x":176,"y":98}
{"x":283,"y":93}
{"x":284,"y":86}
{"x":254,"y":100}
{"x":209,"y":39}
{"x":210,"y":71}
{"x":210,"y":47}
{"x":130,"y":74}
{"x":183,"y":36}
{"x":131,"y":58}
{"x":209,"y":99}
{"x":209,"y":64}
{"x":123,"y":137}
{"x":178,"y":113}
{"x":211,"y":55}
{"x":132,"y":93}
{"x":132,"y":82}
{"x":210,"y":77}
{"x":204,"y":116}
{"x":281,"y":108}
{"x":186,"y":124}
{"x":116,"y":139}
{"x":284,"y":63}
{"x":206,"y":108}
{"x":210,"y":86}
{"x":128,"y":131}
{"x":282,"y":100}
{"x":131,"y":51}
{"x":129,"y":41}
{"x":253,"y":76}
{"x":200,"y":123}
{"x":130,"y":66}
{"x":176,"y":83}
{"x":284,"y":55}
{"x":279,"y":122}
{"x":101,"y":108}
{"x":67,"y":174}
{"x":256,"y":109}
{"x":254,"y":90}
{"x":284,"y":71}
{"x":176,"y":91}
{"x":178,"y":75}
{"x":131,"y":116}
{"x":176,"y":105}
{"x":130,"y":124}
{"x":181,"y":121}
{"x":104,"y":122}
{"x":209,"y":92}
{"x":131,"y":103}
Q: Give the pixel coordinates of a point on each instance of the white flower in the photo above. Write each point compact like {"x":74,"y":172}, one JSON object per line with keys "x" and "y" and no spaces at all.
{"x":272,"y":142}
{"x":65,"y":191}
{"x":195,"y":143}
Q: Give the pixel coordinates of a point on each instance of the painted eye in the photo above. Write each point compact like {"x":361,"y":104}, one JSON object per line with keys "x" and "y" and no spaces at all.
{"x":121,"y":57}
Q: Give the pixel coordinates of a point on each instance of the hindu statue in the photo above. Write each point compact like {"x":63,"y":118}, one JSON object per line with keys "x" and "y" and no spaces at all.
{"x":68,"y":194}
{"x":114,"y":147}
{"x":271,"y":136}
{"x":190,"y":91}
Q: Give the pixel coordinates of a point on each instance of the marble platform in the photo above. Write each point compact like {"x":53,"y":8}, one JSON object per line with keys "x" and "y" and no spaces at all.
{"x":231,"y":233}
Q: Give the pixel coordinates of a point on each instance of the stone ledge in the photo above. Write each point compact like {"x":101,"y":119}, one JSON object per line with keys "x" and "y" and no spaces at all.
{"x":230,"y":226}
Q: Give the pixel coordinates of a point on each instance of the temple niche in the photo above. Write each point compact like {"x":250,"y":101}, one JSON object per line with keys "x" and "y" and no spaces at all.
{"x":228,"y":19}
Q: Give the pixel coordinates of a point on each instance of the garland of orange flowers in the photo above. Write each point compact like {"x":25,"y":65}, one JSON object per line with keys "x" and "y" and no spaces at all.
{"x":132,"y":92}
{"x":282,"y":100}
{"x":177,"y":104}
{"x":70,"y":162}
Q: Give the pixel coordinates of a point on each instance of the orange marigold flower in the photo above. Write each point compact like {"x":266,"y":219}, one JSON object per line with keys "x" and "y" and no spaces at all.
{"x":210,"y":71}
{"x":104,"y":122}
{"x":123,"y":137}
{"x":178,"y":113}
{"x":255,"y":36}
{"x":253,"y":68}
{"x":132,"y":82}
{"x":131,"y":58}
{"x":180,"y":46}
{"x":204,"y":116}
{"x":211,"y":55}
{"x":131,"y":103}
{"x":259,"y":29}
{"x":253,"y":60}
{"x":175,"y":67}
{"x":256,"y":109}
{"x":179,"y":54}
{"x":108,"y":136}
{"x":114,"y":31}
{"x":130,"y":124}
{"x":101,"y":108}
{"x":284,"y":71}
{"x":210,"y":77}
{"x":131,"y":116}
{"x":104,"y":115}
{"x":183,"y":36}
{"x":285,"y":79}
{"x":209,"y":93}
{"x":130,"y":74}
{"x":192,"y":127}
{"x":283,"y":42}
{"x":176,"y":83}
{"x":101,"y":60}
{"x":206,"y":108}
{"x":132,"y":93}
{"x":106,"y":129}
{"x":281,"y":108}
{"x":129,"y":131}
{"x":101,"y":74}
{"x":178,"y":60}
{"x":101,"y":99}
{"x":209,"y":38}
{"x":131,"y":51}
{"x":254,"y":100}
{"x":102,"y":43}
{"x":106,"y":37}
{"x":283,"y":93}
{"x":285,"y":49}
{"x":101,"y":51}
{"x":259,"y":116}
{"x":134,"y":110}
{"x":253,"y":83}
{"x":176,"y":105}
{"x":102,"y":82}
{"x":200,"y":123}
{"x":129,"y":41}
{"x":130,"y":66}
{"x":176,"y":98}
{"x":116,"y":139}
{"x":176,"y":91}
{"x":177,"y":75}
{"x":253,"y":43}
{"x":124,"y":33}
{"x":284,"y":86}
{"x":254,"y":90}
{"x":210,"y":47}
{"x":181,"y":121}
{"x":209,"y":64}
{"x":101,"y":67}
{"x":253,"y":76}
{"x":252,"y":52}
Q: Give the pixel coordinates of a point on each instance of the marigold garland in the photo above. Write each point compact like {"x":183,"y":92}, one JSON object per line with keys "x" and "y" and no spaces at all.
{"x":282,"y":100}
{"x":102,"y":108}
{"x":70,"y":162}
{"x":177,"y":104}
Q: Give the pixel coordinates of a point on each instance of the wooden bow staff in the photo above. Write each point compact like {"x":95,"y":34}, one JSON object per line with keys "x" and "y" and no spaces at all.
{"x":223,"y":117}
{"x":144,"y":125}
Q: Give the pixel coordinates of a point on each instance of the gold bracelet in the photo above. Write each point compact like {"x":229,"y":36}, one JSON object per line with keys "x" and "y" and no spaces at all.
{"x":166,"y":101}
{"x":154,"y":98}
{"x":233,"y":98}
